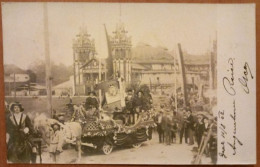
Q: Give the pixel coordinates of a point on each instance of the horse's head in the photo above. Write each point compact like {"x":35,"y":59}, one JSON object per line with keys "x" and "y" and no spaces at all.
{"x":42,"y":124}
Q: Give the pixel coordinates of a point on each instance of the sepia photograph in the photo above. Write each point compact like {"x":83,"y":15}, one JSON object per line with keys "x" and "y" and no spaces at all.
{"x":119,"y":83}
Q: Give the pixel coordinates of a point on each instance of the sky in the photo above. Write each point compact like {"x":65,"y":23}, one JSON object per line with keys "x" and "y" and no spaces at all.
{"x":158,"y":24}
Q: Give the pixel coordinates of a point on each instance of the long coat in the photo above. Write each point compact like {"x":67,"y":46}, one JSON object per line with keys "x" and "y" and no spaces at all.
{"x":200,"y":128}
{"x":181,"y":120}
{"x":166,"y":122}
{"x":56,"y":142}
{"x":19,"y":144}
{"x":190,"y":122}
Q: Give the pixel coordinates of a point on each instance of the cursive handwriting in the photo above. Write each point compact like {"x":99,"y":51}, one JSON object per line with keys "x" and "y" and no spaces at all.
{"x":233,"y":116}
{"x":229,"y":83}
{"x":222,"y":153}
{"x":235,"y":139}
{"x":222,"y":128}
{"x":233,"y":146}
{"x":243,"y":81}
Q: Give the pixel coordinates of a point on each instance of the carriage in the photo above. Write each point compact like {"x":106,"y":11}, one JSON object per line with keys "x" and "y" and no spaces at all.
{"x":106,"y":134}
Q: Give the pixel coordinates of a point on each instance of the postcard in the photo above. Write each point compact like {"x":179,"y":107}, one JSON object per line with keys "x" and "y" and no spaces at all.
{"x":129,"y":83}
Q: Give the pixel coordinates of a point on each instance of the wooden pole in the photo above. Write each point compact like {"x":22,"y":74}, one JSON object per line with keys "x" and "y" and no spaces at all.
{"x":175,"y":86}
{"x":47,"y":60}
{"x":99,"y":78}
{"x":14,"y":88}
{"x":74,"y":72}
{"x":110,"y":67}
{"x":9,"y":88}
{"x":183,"y":76}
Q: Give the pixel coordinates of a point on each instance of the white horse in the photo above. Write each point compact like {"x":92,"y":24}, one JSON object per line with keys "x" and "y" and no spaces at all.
{"x":72,"y":131}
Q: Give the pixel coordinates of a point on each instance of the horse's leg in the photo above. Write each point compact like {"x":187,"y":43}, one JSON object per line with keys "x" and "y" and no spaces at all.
{"x":78,"y":145}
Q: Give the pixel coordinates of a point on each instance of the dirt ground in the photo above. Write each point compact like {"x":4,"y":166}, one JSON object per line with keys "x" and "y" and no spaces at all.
{"x":151,"y":152}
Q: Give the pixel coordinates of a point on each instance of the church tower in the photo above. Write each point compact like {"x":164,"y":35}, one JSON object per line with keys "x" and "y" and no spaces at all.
{"x":83,"y":51}
{"x":121,"y":53}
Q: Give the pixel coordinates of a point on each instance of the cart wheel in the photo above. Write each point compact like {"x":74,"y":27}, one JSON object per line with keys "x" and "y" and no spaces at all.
{"x":107,"y":148}
{"x":137,"y":145}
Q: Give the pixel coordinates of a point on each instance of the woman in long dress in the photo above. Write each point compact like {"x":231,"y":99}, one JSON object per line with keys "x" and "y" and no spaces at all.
{"x":19,"y":133}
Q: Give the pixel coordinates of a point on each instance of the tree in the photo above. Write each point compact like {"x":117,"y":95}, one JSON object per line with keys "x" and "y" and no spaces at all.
{"x":60,"y":73}
{"x":32,"y":76}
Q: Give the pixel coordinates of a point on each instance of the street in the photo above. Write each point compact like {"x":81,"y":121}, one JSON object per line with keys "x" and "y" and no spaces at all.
{"x":151,"y":152}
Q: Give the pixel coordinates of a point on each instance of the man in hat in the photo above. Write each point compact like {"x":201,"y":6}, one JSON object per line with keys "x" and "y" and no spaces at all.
{"x":91,"y":101}
{"x":174,"y":128}
{"x":158,"y":121}
{"x":19,"y":134}
{"x":129,"y":107}
{"x":190,"y":126}
{"x":181,"y":116}
{"x":166,"y":126}
{"x":199,"y":129}
{"x":213,"y":144}
{"x":139,"y":104}
{"x":139,"y":100}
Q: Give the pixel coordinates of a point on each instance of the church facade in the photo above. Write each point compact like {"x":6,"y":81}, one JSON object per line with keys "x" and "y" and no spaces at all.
{"x":143,"y":64}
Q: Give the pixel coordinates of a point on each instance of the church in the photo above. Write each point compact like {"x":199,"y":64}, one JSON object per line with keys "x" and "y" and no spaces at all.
{"x":143,"y":64}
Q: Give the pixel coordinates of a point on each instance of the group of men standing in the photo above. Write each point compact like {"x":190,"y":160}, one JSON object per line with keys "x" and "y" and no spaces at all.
{"x":135,"y":104}
{"x":182,"y":123}
{"x":192,"y":128}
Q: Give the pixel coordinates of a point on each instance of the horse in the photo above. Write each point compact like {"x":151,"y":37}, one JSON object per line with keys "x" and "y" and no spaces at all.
{"x":72,"y":131}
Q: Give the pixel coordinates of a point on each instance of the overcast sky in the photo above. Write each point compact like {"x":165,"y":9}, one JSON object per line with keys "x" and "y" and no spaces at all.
{"x":192,"y":25}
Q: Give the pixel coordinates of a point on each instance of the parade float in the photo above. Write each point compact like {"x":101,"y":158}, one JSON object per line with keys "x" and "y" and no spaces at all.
{"x":104,"y":128}
{"x":105,"y":134}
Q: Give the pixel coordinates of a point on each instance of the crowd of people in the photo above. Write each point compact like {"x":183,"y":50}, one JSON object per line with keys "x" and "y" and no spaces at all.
{"x":172,"y":126}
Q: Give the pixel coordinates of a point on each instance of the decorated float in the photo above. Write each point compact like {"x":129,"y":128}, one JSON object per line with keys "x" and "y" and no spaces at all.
{"x":105,"y":134}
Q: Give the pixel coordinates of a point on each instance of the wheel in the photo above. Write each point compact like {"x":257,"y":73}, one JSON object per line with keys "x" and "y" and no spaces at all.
{"x":137,"y":145}
{"x":107,"y":148}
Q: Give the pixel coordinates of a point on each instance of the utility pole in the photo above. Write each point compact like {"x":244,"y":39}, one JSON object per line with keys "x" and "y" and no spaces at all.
{"x":14,"y":88}
{"x":183,"y":76}
{"x":48,"y":77}
{"x":175,"y":86}
{"x":74,"y":72}
{"x":99,"y":78}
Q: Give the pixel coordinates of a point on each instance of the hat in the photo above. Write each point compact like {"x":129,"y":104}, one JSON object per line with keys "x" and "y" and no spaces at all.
{"x":91,"y":102}
{"x":55,"y":123}
{"x":60,"y":114}
{"x":129,"y":90}
{"x":200,"y":116}
{"x":11,"y":106}
{"x":205,"y":118}
{"x":162,"y":106}
{"x":140,"y":91}
{"x":92,"y":92}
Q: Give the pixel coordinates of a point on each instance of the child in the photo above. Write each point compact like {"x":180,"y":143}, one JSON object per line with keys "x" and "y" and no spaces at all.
{"x":56,"y":141}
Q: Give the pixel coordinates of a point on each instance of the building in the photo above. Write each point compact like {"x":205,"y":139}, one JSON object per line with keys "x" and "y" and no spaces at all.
{"x":121,"y":46}
{"x":65,"y":88}
{"x":90,"y":73}
{"x":12,"y":81}
{"x":29,"y":89}
{"x":83,"y":51}
{"x":142,"y":64}
{"x":154,"y":66}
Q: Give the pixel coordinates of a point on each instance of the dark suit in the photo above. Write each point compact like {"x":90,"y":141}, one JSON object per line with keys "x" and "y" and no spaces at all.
{"x":190,"y":128}
{"x":159,"y":128}
{"x":199,"y":132}
{"x":182,"y":126}
{"x":166,"y":127}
